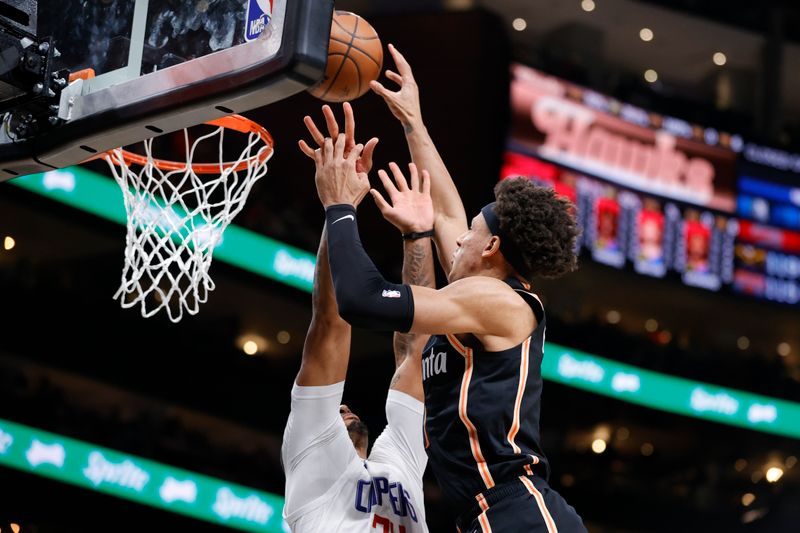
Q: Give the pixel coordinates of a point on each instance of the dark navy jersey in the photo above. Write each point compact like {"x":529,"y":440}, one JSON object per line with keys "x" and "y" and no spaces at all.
{"x":482,"y":411}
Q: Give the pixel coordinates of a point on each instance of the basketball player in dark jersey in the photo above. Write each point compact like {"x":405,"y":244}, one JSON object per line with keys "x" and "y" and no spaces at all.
{"x":481,"y":371}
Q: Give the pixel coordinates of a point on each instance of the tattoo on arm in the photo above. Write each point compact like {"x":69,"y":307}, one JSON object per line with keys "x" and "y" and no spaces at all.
{"x":408,"y":128}
{"x":418,"y":263}
{"x":417,"y":270}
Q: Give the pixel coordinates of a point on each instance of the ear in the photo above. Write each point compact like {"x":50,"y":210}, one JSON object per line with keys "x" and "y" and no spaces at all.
{"x":492,"y":247}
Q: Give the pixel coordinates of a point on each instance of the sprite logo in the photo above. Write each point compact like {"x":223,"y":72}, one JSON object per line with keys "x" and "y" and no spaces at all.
{"x":124,"y":474}
{"x":251,"y":509}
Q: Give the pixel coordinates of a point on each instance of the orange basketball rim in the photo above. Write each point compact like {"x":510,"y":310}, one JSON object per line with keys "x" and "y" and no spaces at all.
{"x":230,"y":122}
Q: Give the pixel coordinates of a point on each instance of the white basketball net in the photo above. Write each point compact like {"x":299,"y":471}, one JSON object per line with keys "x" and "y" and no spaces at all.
{"x":175,"y":220}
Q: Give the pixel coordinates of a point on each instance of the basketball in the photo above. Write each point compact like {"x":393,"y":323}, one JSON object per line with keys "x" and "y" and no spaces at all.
{"x":355,"y":58}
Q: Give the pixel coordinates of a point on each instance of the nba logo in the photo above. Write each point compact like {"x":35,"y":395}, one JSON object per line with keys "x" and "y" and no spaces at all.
{"x":259,"y":13}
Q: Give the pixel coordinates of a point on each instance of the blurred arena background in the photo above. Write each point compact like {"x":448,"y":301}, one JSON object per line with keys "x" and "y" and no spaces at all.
{"x":673,"y":358}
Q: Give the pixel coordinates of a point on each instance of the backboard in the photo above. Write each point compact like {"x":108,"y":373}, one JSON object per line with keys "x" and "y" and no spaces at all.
{"x":158,"y":66}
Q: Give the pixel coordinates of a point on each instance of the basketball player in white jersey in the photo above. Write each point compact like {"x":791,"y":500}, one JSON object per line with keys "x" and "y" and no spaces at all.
{"x":332,"y":483}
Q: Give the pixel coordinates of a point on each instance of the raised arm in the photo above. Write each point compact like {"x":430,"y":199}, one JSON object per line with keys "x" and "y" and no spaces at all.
{"x":327,"y":348}
{"x":326,"y":352}
{"x":417,"y":270}
{"x":411,"y":212}
{"x":451,"y":220}
{"x":479,"y":305}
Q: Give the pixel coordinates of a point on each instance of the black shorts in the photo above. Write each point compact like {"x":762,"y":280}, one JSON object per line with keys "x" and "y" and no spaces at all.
{"x":525,"y":505}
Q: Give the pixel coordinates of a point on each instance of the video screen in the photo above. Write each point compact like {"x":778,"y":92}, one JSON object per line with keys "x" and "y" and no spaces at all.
{"x":654,"y":196}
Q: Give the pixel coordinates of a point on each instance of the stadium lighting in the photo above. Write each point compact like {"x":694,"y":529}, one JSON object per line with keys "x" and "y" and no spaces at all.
{"x":252,"y":344}
{"x":790,"y":461}
{"x":647,"y":449}
{"x":14,"y":528}
{"x":613,"y":317}
{"x":650,"y":75}
{"x":719,"y":59}
{"x":774,"y":473}
{"x":784,"y":349}
{"x":587,"y":5}
{"x":598,"y":445}
{"x":651,"y":325}
{"x":284,"y":337}
{"x":519,"y":24}
{"x":646,"y":34}
{"x":740,"y":464}
{"x":250,"y":348}
{"x":748,"y":498}
{"x":743,"y":343}
{"x":9,"y":243}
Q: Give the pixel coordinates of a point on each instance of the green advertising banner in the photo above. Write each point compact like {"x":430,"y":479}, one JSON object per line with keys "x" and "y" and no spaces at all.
{"x":668,"y":393}
{"x":100,"y":195}
{"x":139,"y":480}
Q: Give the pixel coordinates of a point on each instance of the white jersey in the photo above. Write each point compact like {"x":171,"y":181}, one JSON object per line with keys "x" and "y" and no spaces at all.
{"x":330,"y":489}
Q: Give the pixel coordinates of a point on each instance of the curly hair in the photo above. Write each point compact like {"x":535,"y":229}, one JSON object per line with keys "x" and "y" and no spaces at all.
{"x":541,"y":224}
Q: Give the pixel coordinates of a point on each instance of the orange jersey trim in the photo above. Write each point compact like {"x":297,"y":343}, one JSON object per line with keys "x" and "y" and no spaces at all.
{"x":474,"y":445}
{"x":455,"y":343}
{"x":524,"y":364}
{"x":483,"y":520}
{"x":548,"y":520}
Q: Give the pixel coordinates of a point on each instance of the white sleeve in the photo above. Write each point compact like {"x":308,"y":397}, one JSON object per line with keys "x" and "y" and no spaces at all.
{"x":316,"y":447}
{"x":403,"y":437}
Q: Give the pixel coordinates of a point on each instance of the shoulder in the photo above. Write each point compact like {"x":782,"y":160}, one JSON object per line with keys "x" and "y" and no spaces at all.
{"x":485,"y":290}
{"x":498,"y":304}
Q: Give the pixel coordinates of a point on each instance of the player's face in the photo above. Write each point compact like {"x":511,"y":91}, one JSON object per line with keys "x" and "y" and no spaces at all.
{"x":468,"y":257}
{"x":355,"y":427}
{"x":348,"y":416}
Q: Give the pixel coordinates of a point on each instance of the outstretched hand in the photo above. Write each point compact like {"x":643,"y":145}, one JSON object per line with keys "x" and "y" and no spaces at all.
{"x":337,"y":179}
{"x":403,"y":103}
{"x":411,"y":208}
{"x":364,"y":162}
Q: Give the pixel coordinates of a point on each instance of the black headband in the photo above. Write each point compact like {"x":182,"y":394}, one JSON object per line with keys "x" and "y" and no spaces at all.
{"x":510,"y":251}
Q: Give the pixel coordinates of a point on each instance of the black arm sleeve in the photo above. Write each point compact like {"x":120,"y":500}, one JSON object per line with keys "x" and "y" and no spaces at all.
{"x":365,"y":299}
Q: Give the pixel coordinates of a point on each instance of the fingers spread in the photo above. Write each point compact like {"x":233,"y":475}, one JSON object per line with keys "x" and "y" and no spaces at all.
{"x":330,"y":120}
{"x":317,"y":135}
{"x":387,"y":183}
{"x":414,"y":175}
{"x":382,"y":204}
{"x":355,"y":153}
{"x":369,"y":149}
{"x":339,"y":148}
{"x":378,"y":88}
{"x":400,"y":61}
{"x":349,"y":124}
{"x":395,"y":77}
{"x":426,"y":183}
{"x":402,"y":184}
{"x":327,"y":148}
{"x":305,"y":148}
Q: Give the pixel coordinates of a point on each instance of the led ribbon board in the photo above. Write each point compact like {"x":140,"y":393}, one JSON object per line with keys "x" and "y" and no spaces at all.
{"x":668,"y":393}
{"x":139,"y":480}
{"x":94,"y":193}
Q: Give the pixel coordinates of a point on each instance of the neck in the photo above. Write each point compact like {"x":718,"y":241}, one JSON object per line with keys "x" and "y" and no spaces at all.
{"x":496,"y":269}
{"x":361,"y":452}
